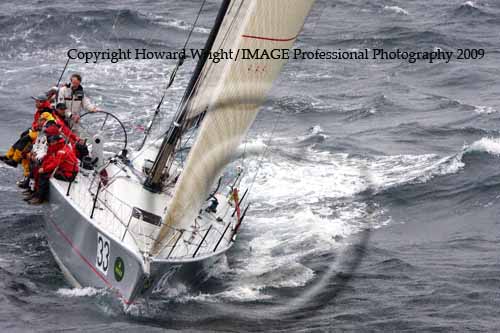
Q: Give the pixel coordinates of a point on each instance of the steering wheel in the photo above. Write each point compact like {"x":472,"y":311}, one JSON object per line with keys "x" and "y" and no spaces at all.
{"x":108,"y":128}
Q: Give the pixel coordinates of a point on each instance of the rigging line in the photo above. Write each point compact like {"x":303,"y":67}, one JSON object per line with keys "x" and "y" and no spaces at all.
{"x":201,"y":78}
{"x":67,"y":61}
{"x":181,"y":60}
{"x":183,"y":146}
{"x":172,"y":77}
{"x":62,"y":73}
{"x":261,"y":161}
{"x":195,"y":23}
{"x":113,"y":33}
{"x":113,"y":29}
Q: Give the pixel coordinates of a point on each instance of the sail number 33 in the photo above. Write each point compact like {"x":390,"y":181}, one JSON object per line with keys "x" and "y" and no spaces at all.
{"x":103,"y":253}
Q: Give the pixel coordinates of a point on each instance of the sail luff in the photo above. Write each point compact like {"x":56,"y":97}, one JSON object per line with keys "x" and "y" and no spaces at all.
{"x":233,"y":92}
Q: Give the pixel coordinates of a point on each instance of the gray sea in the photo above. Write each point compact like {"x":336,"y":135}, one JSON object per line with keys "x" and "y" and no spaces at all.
{"x":375,"y":203}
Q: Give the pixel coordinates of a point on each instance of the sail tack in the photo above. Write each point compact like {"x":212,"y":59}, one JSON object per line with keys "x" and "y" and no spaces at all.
{"x":230,"y":92}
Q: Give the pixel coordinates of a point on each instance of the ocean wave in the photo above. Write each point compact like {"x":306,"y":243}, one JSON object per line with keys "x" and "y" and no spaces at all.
{"x":80,"y":292}
{"x":393,"y":264}
{"x":396,"y":9}
{"x":485,"y":145}
{"x":334,"y":176}
{"x":484,"y":109}
{"x":276,"y":251}
{"x":48,"y":19}
{"x":300,"y":105}
{"x":243,"y":294}
{"x":402,"y":37}
{"x":44,"y":28}
{"x":393,"y":171}
{"x":471,"y":4}
{"x":181,"y":25}
{"x":444,"y":131}
{"x":470,"y":9}
{"x":321,"y":213}
{"x":315,"y":135}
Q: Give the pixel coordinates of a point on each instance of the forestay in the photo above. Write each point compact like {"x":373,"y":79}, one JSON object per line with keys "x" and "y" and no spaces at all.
{"x":231,"y":93}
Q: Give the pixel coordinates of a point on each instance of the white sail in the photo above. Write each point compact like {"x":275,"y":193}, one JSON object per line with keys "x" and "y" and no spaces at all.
{"x":231,"y":92}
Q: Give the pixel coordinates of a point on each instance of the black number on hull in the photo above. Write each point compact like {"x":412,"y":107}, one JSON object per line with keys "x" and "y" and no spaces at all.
{"x":103,"y":253}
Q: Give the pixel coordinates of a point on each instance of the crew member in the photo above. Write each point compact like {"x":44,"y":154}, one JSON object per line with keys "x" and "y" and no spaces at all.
{"x":62,"y":122}
{"x":38,"y":152}
{"x":73,"y":96}
{"x":60,"y":161}
{"x":22,"y":146}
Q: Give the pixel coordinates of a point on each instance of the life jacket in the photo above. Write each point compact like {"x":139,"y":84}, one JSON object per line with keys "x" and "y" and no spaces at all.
{"x":51,"y":128}
{"x":39,"y":149}
{"x":60,"y":156}
{"x":65,"y":130}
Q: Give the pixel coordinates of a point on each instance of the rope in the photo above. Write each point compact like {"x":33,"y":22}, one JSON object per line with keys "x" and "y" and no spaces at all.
{"x":62,"y":73}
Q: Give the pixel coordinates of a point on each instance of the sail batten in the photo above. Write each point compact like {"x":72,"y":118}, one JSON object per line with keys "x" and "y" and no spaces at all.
{"x":230,"y":92}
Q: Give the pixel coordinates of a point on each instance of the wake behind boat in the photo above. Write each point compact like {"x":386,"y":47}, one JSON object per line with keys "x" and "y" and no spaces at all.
{"x":138,"y":221}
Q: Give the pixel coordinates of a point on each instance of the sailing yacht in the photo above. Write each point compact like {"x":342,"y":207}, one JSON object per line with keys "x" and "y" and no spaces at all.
{"x":134,"y":221}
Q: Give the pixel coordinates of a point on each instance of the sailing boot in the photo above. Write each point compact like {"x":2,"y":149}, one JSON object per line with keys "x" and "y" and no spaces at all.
{"x":24,"y":183}
{"x":27,"y":192}
{"x":29,"y":196}
{"x":35,"y":201}
{"x":11,"y":163}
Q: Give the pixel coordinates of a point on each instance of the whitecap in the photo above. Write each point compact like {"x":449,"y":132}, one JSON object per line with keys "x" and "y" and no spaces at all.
{"x":179,"y":24}
{"x":243,"y":294}
{"x":487,"y":145}
{"x":481,"y":109}
{"x":397,"y":10}
{"x":471,"y":4}
{"x":80,"y":292}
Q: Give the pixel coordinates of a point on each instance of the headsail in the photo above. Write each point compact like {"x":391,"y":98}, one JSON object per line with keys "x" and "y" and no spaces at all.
{"x":231,"y":93}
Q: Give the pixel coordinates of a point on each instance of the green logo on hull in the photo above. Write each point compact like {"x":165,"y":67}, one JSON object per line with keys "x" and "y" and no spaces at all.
{"x":119,"y":269}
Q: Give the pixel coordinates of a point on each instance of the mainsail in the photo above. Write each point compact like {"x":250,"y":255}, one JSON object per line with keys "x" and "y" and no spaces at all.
{"x":230,"y":93}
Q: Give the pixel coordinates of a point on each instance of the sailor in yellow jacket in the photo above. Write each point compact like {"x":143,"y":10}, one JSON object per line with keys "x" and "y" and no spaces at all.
{"x":19,"y":152}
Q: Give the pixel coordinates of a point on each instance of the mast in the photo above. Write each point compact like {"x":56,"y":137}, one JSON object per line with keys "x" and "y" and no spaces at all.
{"x":153,"y":182}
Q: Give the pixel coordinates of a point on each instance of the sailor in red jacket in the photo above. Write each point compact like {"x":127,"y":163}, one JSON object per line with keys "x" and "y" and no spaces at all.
{"x":63,"y":123}
{"x":42,"y":105}
{"x":59,"y":161}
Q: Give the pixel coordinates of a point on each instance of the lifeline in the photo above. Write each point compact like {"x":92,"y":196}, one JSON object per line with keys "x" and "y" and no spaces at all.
{"x":376,"y":54}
